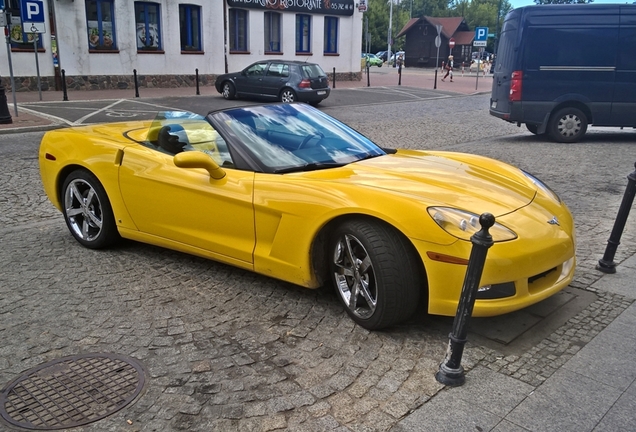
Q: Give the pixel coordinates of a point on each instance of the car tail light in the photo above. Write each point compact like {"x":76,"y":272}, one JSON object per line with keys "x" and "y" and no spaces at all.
{"x":515,"y":86}
{"x":305,"y":84}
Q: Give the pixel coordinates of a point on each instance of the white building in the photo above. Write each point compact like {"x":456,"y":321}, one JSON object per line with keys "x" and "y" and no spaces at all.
{"x":99,"y":43}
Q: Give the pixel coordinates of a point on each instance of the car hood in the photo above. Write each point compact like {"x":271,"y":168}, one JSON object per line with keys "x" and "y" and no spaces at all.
{"x":462,"y":181}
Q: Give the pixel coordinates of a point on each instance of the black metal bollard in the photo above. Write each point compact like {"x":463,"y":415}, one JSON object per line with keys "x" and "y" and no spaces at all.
{"x":368,"y":78}
{"x":334,"y":78}
{"x":400,"y":74}
{"x":5,"y":115}
{"x":450,"y":371}
{"x":435,"y":82}
{"x":607,"y":264}
{"x":136,"y":83}
{"x":196,"y":77}
{"x":64,"y":93}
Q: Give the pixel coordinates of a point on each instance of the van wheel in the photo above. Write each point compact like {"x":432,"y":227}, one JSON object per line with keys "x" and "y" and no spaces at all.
{"x":567,"y":125}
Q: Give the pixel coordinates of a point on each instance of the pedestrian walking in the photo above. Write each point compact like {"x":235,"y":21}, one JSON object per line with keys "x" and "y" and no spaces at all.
{"x":449,"y":68}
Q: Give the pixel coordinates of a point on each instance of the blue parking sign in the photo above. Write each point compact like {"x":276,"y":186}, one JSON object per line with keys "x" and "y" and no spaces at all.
{"x":32,"y":11}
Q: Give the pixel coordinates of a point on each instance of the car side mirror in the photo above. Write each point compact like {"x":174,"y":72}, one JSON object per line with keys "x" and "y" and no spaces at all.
{"x":196,"y":159}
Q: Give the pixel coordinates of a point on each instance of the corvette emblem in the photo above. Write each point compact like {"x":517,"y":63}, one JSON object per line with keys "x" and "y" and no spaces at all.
{"x":554,"y":221}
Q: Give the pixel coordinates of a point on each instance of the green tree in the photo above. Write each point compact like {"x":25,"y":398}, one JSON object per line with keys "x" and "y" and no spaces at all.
{"x":377,"y":15}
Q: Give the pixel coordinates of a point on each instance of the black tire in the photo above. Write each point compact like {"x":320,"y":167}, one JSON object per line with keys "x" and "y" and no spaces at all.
{"x":87,"y":211}
{"x":287,"y":95}
{"x":228,"y":91}
{"x":533,"y":128}
{"x":567,"y":125}
{"x":374,"y":255}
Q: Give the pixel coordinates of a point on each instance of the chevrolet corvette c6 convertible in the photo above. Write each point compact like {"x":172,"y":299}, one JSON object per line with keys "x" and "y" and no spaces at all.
{"x":292,"y":193}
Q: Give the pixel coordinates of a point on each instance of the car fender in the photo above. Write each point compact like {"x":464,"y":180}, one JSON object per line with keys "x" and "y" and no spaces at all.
{"x":62,"y":151}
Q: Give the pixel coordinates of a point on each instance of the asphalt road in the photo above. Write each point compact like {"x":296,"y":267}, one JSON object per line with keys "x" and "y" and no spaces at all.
{"x":226,"y":349}
{"x":109,"y":110}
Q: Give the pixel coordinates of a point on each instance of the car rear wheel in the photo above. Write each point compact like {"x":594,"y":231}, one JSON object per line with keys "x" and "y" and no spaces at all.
{"x":287,"y":95}
{"x":568,"y":125}
{"x":228,"y":91}
{"x":375,"y":272}
{"x":87,"y":211}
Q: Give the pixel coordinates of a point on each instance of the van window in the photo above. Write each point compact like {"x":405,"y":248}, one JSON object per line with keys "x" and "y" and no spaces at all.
{"x":574,"y":48}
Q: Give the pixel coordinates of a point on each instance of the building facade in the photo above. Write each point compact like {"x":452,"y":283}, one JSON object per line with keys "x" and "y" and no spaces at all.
{"x":102,"y":44}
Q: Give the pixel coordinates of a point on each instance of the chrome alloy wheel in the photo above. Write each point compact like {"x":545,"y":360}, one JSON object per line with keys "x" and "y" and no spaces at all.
{"x":355,"y":277}
{"x":83,"y":210}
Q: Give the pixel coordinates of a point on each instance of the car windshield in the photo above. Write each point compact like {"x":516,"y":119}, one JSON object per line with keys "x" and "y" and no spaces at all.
{"x":294,"y":137}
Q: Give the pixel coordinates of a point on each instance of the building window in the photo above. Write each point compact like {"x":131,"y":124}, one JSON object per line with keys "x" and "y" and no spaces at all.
{"x":148,"y":26}
{"x":100,"y":25}
{"x":19,"y":39}
{"x":272,"y":32}
{"x":238,"y":30}
{"x":303,"y":33}
{"x":190,"y":26}
{"x":331,"y":35}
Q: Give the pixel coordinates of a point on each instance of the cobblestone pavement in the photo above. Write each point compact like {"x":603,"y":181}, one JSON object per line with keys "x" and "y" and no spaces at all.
{"x":228,"y":350}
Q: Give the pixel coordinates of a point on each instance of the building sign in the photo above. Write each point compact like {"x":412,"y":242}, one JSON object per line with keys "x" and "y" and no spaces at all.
{"x":324,"y":7}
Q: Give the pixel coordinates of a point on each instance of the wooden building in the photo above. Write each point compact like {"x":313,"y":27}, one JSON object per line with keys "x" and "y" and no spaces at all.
{"x":420,"y":49}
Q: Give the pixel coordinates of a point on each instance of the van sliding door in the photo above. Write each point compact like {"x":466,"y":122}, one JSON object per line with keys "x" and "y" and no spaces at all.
{"x":624,"y":105}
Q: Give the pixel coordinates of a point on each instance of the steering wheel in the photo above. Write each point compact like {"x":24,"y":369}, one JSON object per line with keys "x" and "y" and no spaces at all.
{"x":308,"y":138}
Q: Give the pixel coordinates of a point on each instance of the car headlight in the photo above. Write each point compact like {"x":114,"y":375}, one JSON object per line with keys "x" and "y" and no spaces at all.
{"x":463,"y":224}
{"x":538,"y":183}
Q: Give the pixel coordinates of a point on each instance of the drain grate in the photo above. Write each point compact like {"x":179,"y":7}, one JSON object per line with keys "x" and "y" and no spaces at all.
{"x":71,"y":391}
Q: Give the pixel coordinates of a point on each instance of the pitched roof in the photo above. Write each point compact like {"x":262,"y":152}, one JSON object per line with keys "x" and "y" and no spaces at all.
{"x":464,"y":37}
{"x":449,"y":25}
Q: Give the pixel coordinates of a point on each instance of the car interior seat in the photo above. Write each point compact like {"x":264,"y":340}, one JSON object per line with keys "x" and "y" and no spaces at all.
{"x":172,"y":138}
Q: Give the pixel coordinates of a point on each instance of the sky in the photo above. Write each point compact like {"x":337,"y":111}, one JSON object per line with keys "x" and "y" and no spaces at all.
{"x":519,"y":3}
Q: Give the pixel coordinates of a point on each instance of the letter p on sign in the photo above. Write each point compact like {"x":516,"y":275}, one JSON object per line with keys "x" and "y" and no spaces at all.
{"x":32,"y":10}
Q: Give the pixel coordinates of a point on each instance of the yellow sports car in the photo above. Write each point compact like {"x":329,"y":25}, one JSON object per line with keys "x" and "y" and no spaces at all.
{"x":290,"y":192}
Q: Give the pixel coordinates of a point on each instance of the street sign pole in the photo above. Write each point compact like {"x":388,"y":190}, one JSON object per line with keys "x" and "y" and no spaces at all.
{"x":8,"y":41}
{"x":37,"y":62}
{"x":438,"y":42}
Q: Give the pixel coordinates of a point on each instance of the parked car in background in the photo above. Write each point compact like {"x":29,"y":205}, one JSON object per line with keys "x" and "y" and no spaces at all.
{"x":396,"y":55}
{"x":281,"y":80}
{"x":382,"y":55}
{"x":372,"y":59}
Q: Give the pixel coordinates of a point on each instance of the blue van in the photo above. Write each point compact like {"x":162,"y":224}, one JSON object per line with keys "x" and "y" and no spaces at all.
{"x":561,"y":68}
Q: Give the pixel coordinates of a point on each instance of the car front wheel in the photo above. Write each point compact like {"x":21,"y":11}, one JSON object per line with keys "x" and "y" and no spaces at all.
{"x":87,"y":211}
{"x":287,"y":95}
{"x":375,"y":272}
{"x":568,"y":125}
{"x":228,"y":91}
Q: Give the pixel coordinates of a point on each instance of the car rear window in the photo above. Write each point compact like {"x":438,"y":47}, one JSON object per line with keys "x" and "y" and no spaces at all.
{"x":312,"y":71}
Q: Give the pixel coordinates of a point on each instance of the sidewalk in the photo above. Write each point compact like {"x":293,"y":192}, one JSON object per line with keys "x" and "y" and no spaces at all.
{"x":27,"y":120}
{"x":595,"y":390}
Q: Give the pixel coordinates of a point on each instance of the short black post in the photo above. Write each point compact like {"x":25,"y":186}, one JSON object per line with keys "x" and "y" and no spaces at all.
{"x":400,"y":74}
{"x":607,"y":264}
{"x":450,"y":371}
{"x":136,"y":83}
{"x":64,"y":93}
{"x":368,"y":78}
{"x":435,"y":82}
{"x":334,"y":78}
{"x":196,"y":77}
{"x":5,"y":115}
